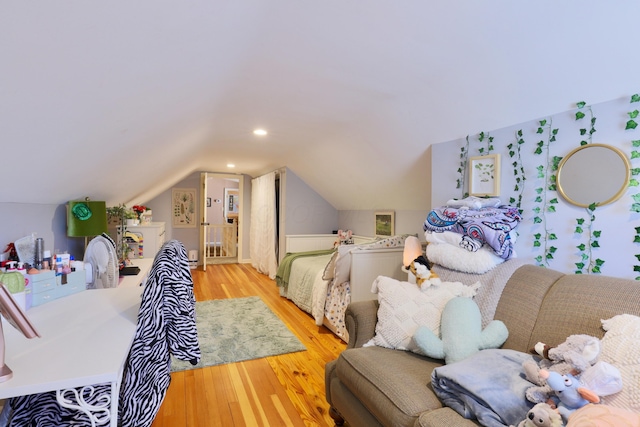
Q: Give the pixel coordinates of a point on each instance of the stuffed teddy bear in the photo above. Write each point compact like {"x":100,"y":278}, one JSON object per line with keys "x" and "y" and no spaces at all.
{"x":461,"y":332}
{"x":575,"y":355}
{"x":541,"y":415}
{"x":569,"y":391}
{"x":345,"y":237}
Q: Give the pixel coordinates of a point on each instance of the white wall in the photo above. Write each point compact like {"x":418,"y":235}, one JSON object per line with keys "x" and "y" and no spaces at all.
{"x":616,"y":221}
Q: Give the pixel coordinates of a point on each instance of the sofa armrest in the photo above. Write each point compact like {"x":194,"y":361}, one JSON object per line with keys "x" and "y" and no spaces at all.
{"x":443,"y":417}
{"x":360,"y":319}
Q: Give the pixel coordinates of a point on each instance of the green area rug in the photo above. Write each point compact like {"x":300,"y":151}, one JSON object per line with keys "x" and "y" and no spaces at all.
{"x":237,"y":329}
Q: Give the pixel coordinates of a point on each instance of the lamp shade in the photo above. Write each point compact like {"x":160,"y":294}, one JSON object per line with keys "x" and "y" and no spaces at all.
{"x":86,"y":218}
{"x":412,"y":250}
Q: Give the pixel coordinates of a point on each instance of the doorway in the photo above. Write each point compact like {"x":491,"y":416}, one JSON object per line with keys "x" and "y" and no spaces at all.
{"x":221,"y":215}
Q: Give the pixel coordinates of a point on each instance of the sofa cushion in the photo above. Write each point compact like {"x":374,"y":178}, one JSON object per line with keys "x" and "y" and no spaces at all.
{"x":393,"y":385}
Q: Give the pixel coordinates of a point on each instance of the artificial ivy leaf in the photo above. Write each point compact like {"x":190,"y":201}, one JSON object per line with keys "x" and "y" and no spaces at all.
{"x":636,"y":268}
{"x":481,"y":150}
{"x":551,"y":209}
{"x":536,"y":244}
{"x":583,"y":131}
{"x":578,"y":230}
{"x":595,"y":244}
{"x":592,"y":131}
{"x":635,"y":154}
{"x":540,"y":130}
{"x":552,"y":139}
{"x":637,"y":256}
{"x":634,"y":114}
{"x":538,"y":199}
{"x":578,"y":272}
{"x":537,"y":220}
{"x":636,"y":239}
{"x":584,"y":257}
{"x":581,"y":104}
{"x":554,"y":200}
{"x":555,"y":131}
{"x":549,"y":256}
{"x":538,"y":150}
{"x":553,"y":249}
{"x":537,"y":235}
{"x":536,"y":210}
{"x":635,"y":207}
{"x":539,"y":190}
{"x":635,"y":98}
{"x":581,"y":221}
{"x":510,"y":145}
{"x":633,"y":182}
{"x":636,"y":142}
{"x":543,"y":122}
{"x":512,"y":200}
{"x":595,"y":269}
{"x":583,"y":143}
{"x":599,"y":262}
{"x":581,"y":246}
{"x":520,"y":132}
{"x":538,"y":259}
{"x":579,"y":115}
{"x":631,"y":124}
{"x":597,"y":233}
{"x":490,"y":148}
{"x":553,"y":236}
{"x":635,"y":171}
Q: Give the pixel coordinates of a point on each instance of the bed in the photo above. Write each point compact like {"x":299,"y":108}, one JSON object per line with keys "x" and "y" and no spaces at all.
{"x":322,"y":281}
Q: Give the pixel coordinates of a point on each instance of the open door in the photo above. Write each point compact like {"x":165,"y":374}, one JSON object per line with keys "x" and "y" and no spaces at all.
{"x":204,"y":225}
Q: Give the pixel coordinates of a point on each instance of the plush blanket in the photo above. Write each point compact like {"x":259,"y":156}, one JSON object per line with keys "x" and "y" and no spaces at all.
{"x":488,"y":386}
{"x":284,"y":269}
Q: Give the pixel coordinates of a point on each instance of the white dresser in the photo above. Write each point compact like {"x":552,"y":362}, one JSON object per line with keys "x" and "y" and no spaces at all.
{"x":153,"y":237}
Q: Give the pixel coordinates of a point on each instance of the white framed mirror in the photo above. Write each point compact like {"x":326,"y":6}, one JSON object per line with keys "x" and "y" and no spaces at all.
{"x":593,"y":173}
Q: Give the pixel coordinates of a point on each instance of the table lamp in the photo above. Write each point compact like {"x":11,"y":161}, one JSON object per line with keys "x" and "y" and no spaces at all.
{"x":412,"y":250}
{"x":86,"y":218}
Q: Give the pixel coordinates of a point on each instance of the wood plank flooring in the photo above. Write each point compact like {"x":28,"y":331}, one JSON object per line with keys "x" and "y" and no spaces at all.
{"x":285,"y":390}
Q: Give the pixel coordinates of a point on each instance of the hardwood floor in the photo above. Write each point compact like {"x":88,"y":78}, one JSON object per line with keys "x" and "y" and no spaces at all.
{"x":285,"y":390}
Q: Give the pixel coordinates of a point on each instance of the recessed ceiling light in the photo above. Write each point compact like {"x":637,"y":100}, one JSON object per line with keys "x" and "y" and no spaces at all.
{"x":260,"y":132}
{"x":231,"y":165}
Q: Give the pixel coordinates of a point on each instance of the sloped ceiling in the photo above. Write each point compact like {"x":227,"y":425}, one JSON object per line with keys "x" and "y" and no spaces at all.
{"x":118,"y":100}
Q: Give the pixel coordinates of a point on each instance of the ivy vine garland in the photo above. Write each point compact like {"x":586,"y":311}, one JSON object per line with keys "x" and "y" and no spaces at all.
{"x":587,"y":264}
{"x":518,"y":170}
{"x":462,"y":169}
{"x":542,"y":204}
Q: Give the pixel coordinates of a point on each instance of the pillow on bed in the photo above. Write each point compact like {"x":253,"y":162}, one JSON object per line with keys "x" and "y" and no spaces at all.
{"x":457,"y":258}
{"x":387,"y":242}
{"x":621,"y":348}
{"x":404,"y":306}
{"x":327,"y":274}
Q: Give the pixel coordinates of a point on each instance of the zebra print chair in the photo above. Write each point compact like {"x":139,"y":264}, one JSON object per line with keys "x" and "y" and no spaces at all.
{"x":167,"y":310}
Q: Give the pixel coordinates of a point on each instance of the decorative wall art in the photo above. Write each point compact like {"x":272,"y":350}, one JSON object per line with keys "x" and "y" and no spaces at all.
{"x":183,"y":202}
{"x":484,"y":175}
{"x":385,"y":223}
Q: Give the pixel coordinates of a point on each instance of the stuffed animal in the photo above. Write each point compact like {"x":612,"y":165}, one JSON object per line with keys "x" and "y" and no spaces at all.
{"x":569,"y":391}
{"x":461,"y":332}
{"x":576,"y":354}
{"x":541,"y":415}
{"x":425,"y":277}
{"x":345,"y":237}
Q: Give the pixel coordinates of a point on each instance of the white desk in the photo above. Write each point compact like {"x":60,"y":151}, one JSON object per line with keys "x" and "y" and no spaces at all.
{"x":85,"y":340}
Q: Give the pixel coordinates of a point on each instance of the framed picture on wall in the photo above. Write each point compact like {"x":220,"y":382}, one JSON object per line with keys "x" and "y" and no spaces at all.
{"x":484,"y":175}
{"x":385,"y":223}
{"x":183,"y":209}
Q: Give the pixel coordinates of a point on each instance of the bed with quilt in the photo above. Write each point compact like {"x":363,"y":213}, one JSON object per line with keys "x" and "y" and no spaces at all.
{"x":322,"y":279}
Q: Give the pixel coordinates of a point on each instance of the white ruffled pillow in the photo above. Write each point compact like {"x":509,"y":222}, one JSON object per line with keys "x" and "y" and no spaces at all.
{"x":457,"y":258}
{"x":621,"y":348}
{"x":404,"y":307}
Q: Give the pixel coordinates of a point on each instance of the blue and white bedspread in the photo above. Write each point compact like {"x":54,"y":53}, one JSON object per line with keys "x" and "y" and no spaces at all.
{"x":488,"y":386}
{"x":490,"y":226}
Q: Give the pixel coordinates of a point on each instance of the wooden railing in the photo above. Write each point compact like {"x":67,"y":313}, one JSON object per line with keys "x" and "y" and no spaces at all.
{"x":222,"y":240}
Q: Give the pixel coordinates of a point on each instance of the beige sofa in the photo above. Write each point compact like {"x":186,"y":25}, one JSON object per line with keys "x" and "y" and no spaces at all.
{"x":374,"y":386}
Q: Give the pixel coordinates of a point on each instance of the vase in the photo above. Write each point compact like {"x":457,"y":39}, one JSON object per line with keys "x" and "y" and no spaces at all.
{"x":133,"y":221}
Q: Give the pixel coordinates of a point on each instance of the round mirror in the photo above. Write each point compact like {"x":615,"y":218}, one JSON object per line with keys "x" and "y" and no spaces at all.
{"x":593,"y":173}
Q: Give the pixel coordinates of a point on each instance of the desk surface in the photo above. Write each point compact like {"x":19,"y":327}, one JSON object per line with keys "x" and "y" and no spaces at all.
{"x":85,"y":339}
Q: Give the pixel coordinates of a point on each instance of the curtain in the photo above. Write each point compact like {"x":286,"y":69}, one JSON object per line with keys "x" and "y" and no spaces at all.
{"x":262,"y":234}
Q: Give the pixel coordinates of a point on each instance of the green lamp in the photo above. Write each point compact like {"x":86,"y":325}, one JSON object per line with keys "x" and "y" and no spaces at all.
{"x":86,"y":218}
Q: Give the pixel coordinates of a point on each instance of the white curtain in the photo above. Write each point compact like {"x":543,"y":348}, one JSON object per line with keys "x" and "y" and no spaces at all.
{"x":262,"y":234}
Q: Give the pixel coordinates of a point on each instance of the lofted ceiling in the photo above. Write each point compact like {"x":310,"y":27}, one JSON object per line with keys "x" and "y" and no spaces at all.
{"x":119,"y":100}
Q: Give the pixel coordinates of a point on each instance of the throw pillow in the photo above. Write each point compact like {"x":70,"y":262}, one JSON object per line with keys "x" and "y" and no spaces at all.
{"x":621,"y":348}
{"x":404,"y":306}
